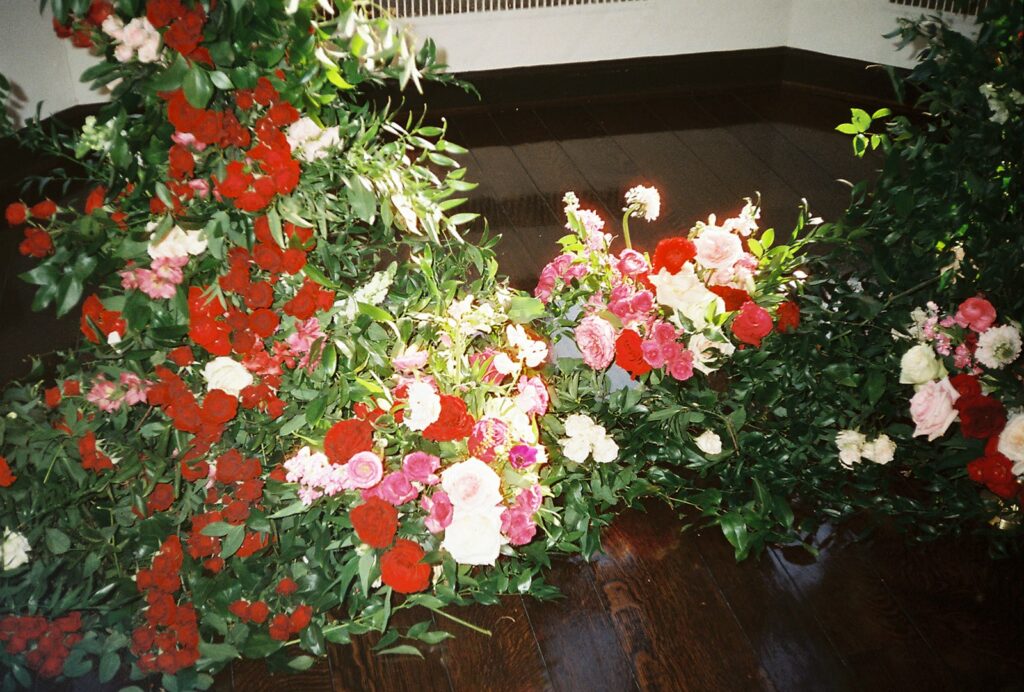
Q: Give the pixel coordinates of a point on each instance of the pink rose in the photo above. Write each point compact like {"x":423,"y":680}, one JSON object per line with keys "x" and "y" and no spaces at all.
{"x":932,"y":408}
{"x":420,"y":467}
{"x":439,"y":511}
{"x":717,"y":248}
{"x":533,"y":396}
{"x":632,"y":263}
{"x":518,"y":525}
{"x":395,"y":489}
{"x":976,"y":313}
{"x":595,"y":338}
{"x":365,"y":470}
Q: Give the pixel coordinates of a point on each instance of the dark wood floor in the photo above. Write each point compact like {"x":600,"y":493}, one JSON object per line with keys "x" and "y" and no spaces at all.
{"x":661,"y":609}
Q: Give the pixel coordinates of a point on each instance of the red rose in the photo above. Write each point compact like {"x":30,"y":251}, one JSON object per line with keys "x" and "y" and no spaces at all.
{"x":44,"y":209}
{"x":787,"y":317}
{"x":181,"y":356}
{"x":980,"y":416}
{"x":7,"y":477}
{"x":734,"y":297}
{"x":454,"y":423}
{"x":264,"y":322}
{"x":628,"y":354}
{"x":375,"y":522}
{"x":52,"y":397}
{"x":161,"y":498}
{"x":16,"y":213}
{"x":219,"y":407}
{"x":672,"y":254}
{"x":402,"y":568}
{"x":347,"y":438}
{"x":752,"y":324}
{"x":966,"y":385}
{"x":259,"y":295}
{"x":37,"y":243}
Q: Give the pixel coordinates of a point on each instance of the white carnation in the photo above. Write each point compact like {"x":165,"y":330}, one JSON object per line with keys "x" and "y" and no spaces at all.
{"x":851,"y":447}
{"x":881,"y":450}
{"x":998,"y":346}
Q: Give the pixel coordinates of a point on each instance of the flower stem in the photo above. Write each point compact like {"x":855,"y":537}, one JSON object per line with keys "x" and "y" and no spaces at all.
{"x":625,"y":229}
{"x":462,"y":622}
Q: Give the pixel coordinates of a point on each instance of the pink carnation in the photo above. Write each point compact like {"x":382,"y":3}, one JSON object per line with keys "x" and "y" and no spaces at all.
{"x":595,"y":338}
{"x":489,"y":435}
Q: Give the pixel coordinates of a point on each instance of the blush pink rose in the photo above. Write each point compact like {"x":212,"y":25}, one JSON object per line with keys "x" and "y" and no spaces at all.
{"x":717,"y":248}
{"x":365,"y":470}
{"x":595,"y":338}
{"x":420,"y":467}
{"x":932,"y":408}
{"x":632,"y":263}
{"x":976,"y":313}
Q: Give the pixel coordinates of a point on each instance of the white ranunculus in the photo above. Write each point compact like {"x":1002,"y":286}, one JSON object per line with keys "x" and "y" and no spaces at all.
{"x":998,"y":346}
{"x":685,"y":292}
{"x":584,"y":438}
{"x":471,"y":483}
{"x":14,"y":550}
{"x":226,"y":374}
{"x":423,"y":406}
{"x":920,"y":365}
{"x":851,"y":447}
{"x":881,"y":450}
{"x":1011,"y":442}
{"x":474,"y":536}
{"x":177,"y":243}
{"x":709,"y":442}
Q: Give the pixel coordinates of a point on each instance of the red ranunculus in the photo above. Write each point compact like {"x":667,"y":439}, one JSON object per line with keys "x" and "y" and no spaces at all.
{"x":734,"y":298}
{"x":16,"y":213}
{"x":980,"y":416}
{"x":787,"y":317}
{"x":628,"y":353}
{"x":966,"y":385}
{"x":402,"y":568}
{"x":454,"y":423}
{"x":37,"y":243}
{"x":347,"y":438}
{"x":752,"y":324}
{"x":672,"y":254}
{"x":375,"y":522}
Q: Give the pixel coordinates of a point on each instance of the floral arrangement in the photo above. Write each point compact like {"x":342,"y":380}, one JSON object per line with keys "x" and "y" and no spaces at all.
{"x":982,"y":357}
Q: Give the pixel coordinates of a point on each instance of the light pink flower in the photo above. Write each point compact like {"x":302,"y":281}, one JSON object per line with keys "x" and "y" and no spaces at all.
{"x":104,"y":394}
{"x":518,"y":525}
{"x":488,"y":437}
{"x":631,"y":306}
{"x":300,"y":343}
{"x":439,"y":511}
{"x":533,"y":396}
{"x":717,"y":248}
{"x":135,"y":388}
{"x":976,"y":313}
{"x":632,"y":263}
{"x":472,"y":483}
{"x":187,"y":139}
{"x":410,"y":360}
{"x":595,"y":338}
{"x":315,"y":474}
{"x":932,"y":408}
{"x":421,"y":467}
{"x":662,"y":350}
{"x":365,"y":470}
{"x":201,"y":187}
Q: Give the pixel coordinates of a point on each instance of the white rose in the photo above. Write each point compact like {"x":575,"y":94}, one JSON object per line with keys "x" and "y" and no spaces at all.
{"x":881,"y":450}
{"x":226,"y":374}
{"x":423,"y":407}
{"x":14,"y":550}
{"x":113,"y":26}
{"x":851,"y":447}
{"x":709,"y":442}
{"x":177,"y":243}
{"x":932,"y":408}
{"x":605,"y":449}
{"x":471,"y":483}
{"x":1011,"y":442}
{"x":474,"y":536}
{"x":575,"y":449}
{"x":136,"y":32}
{"x":684,"y":292}
{"x":920,"y":365}
{"x":578,"y":425}
{"x":150,"y":50}
{"x":718,"y":248}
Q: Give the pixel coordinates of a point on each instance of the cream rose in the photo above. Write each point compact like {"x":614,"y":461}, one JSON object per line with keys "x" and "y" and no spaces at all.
{"x":227,"y":375}
{"x":881,"y":450}
{"x":920,"y":365}
{"x":684,"y":292}
{"x":177,"y":243}
{"x":14,"y":550}
{"x":932,"y":408}
{"x":423,"y":406}
{"x":851,"y":447}
{"x":474,"y":536}
{"x":1011,"y":442}
{"x":709,"y":442}
{"x":471,"y":484}
{"x":718,"y":248}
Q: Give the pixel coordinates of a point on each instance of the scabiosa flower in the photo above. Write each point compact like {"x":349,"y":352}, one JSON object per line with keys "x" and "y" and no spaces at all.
{"x":998,"y":346}
{"x":643,"y":202}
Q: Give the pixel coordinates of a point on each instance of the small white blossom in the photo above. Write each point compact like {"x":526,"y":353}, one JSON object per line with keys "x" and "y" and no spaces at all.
{"x":643,"y":202}
{"x":998,"y":346}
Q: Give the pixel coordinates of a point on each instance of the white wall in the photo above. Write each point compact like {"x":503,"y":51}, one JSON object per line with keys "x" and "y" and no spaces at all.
{"x":44,"y":68}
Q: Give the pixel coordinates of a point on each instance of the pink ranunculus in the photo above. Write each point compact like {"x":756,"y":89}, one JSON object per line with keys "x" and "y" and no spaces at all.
{"x":439,"y":511}
{"x":932,"y":408}
{"x":976,"y":313}
{"x":365,"y":470}
{"x":421,"y":467}
{"x":632,"y":263}
{"x":489,"y":436}
{"x":518,"y":525}
{"x":395,"y":489}
{"x":595,"y":338}
{"x":717,"y":248}
{"x":533,"y":396}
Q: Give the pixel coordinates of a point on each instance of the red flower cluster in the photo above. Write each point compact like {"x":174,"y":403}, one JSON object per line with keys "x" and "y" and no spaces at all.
{"x":160,"y":499}
{"x":168,"y":641}
{"x":283,"y":626}
{"x":206,"y":328}
{"x":79,"y":29}
{"x":454,"y":423}
{"x":269,"y":255}
{"x":256,"y":612}
{"x":7,"y":476}
{"x":347,"y":438}
{"x":45,"y":643}
{"x":629,"y":355}
{"x":95,"y":316}
{"x":184,"y":27}
{"x":37,"y":242}
{"x":401,"y":567}
{"x":995,"y":471}
{"x":309,"y":299}
{"x":92,"y":458}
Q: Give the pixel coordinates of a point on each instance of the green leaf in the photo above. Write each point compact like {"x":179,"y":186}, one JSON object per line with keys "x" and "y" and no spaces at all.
{"x":861,"y":120}
{"x":524,"y":309}
{"x":301,"y":662}
{"x":232,"y":541}
{"x":57,"y":541}
{"x":221,"y":80}
{"x":217,"y":653}
{"x":402,"y":650}
{"x":197,"y":86}
{"x":735,"y":529}
{"x":294,"y":508}
{"x":110,"y":662}
{"x":374,"y":312}
{"x":847,"y":128}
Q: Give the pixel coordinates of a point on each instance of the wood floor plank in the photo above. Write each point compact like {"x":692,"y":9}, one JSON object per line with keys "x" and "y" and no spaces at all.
{"x":861,"y":616}
{"x":576,"y":634}
{"x":508,"y":661}
{"x":253,"y":676}
{"x":674,"y":623}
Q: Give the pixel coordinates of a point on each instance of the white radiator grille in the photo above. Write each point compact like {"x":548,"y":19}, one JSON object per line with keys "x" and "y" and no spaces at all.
{"x":422,"y":8}
{"x":965,"y":7}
